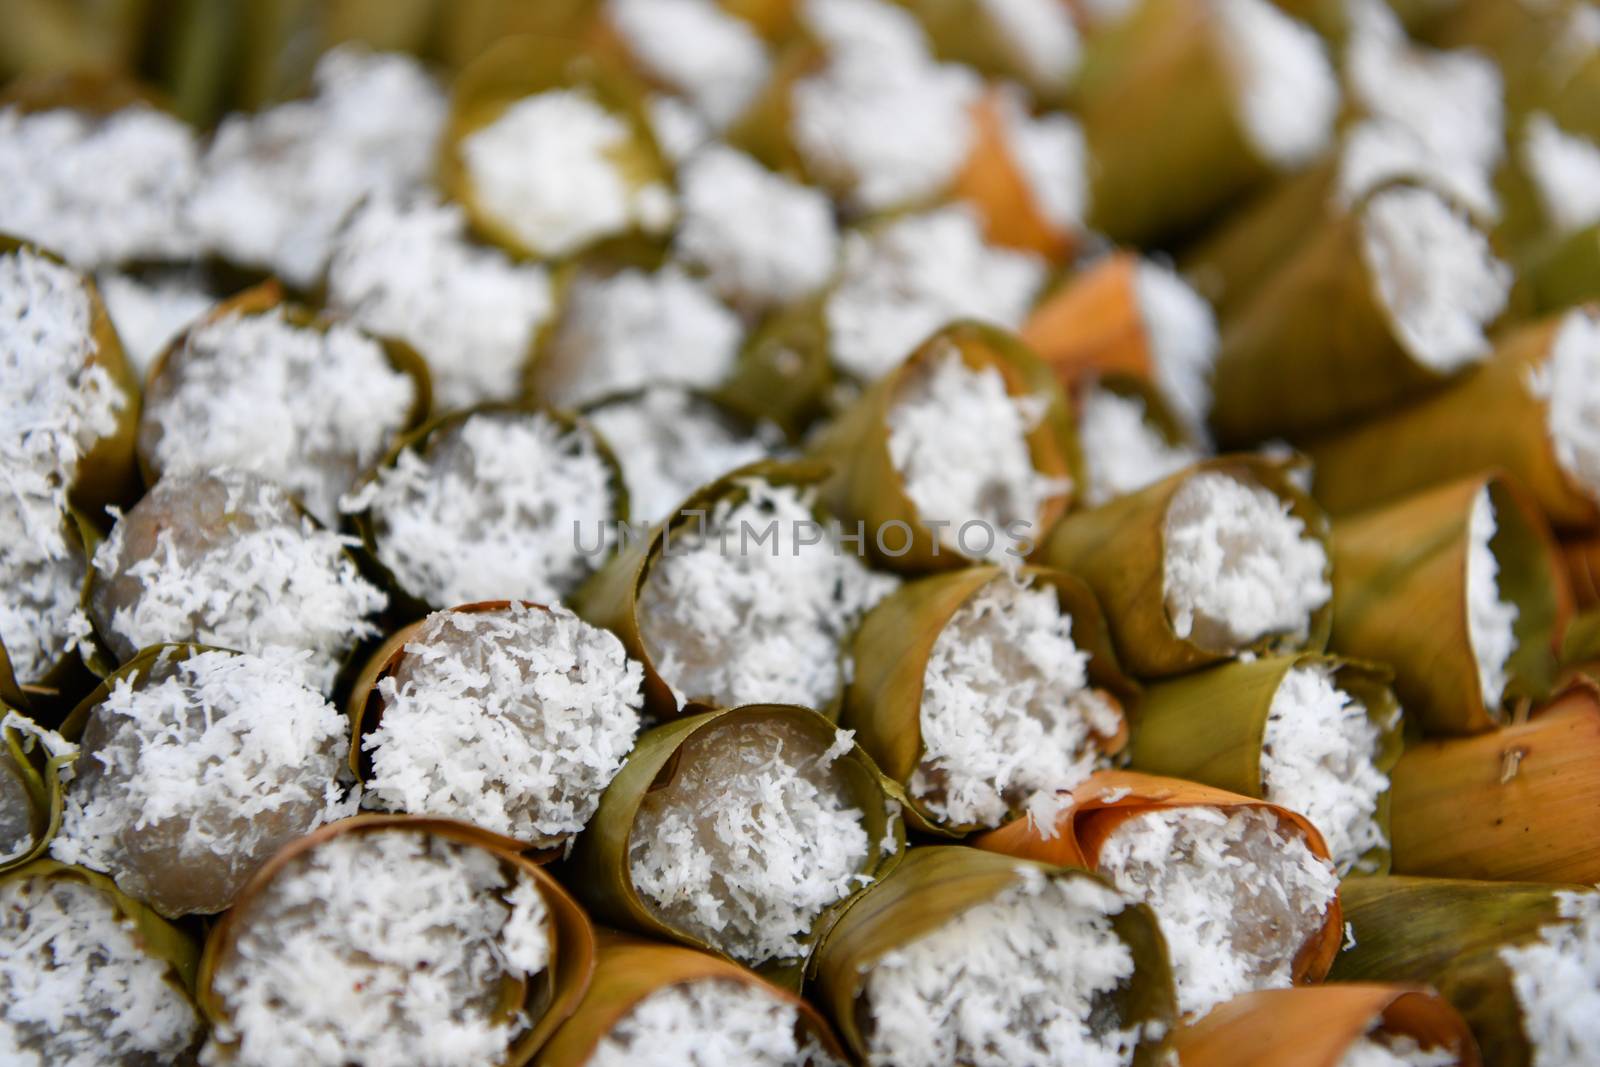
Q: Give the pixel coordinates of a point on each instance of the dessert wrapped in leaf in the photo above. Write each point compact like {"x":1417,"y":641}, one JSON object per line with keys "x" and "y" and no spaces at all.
{"x":228,"y":559}
{"x":1458,"y":589}
{"x":493,"y":500}
{"x":1244,"y":891}
{"x":1520,"y":962}
{"x":1315,"y":734}
{"x":747,"y":593}
{"x":35,"y":765}
{"x":659,"y":1005}
{"x":741,"y":831}
{"x":91,"y":976}
{"x":1129,"y":437}
{"x":1508,"y":805}
{"x":507,"y":715}
{"x":151,"y":305}
{"x":965,"y":452}
{"x":982,"y":693}
{"x":266,"y":386}
{"x":195,"y":766}
{"x":392,"y":939}
{"x":961,"y":956}
{"x":1034,"y":42}
{"x":1238,"y":554}
{"x":1354,"y":1024}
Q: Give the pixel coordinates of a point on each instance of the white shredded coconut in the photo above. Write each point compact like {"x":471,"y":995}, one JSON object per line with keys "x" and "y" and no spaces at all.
{"x":225,"y":559}
{"x":149,"y":313}
{"x":515,"y":720}
{"x":1376,"y":152}
{"x":498,"y":506}
{"x":54,"y":408}
{"x":1378,"y":1049}
{"x":633,"y":329}
{"x":754,"y":604}
{"x":1237,"y":565}
{"x":407,"y":269}
{"x":670,"y":443}
{"x":1181,"y":330}
{"x":99,"y":191}
{"x":1023,"y":978}
{"x":959,"y":441}
{"x":1237,"y":894}
{"x":1557,"y":984}
{"x":866,"y":28}
{"x":1052,"y":157}
{"x":1491,"y":617}
{"x":1285,"y":85}
{"x":549,"y":171}
{"x":752,"y":840}
{"x":1007,"y":710}
{"x":680,"y":131}
{"x":79,"y":988}
{"x":1565,"y":168}
{"x":192,"y":778}
{"x":709,"y":1022}
{"x":1122,"y":450}
{"x":1317,"y":756}
{"x":277,"y":184}
{"x":1038,"y":36}
{"x":695,"y":49}
{"x":385,"y":948}
{"x":904,"y":280}
{"x":1436,"y":275}
{"x":1569,"y":384}
{"x":761,"y":239}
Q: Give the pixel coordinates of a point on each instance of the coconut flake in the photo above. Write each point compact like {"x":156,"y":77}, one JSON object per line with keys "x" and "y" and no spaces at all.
{"x":1022,"y":978}
{"x":695,"y":49}
{"x":383,"y":947}
{"x":959,"y":441}
{"x":1236,"y":892}
{"x":1565,"y":168}
{"x":754,"y":604}
{"x":760,"y":238}
{"x":753,"y":838}
{"x":1038,"y":36}
{"x":99,"y":190}
{"x":515,"y":719}
{"x":548,"y":170}
{"x":192,"y":778}
{"x":1491,"y":617}
{"x":866,"y":28}
{"x":710,"y":1022}
{"x":1379,"y":1049}
{"x":1317,"y":756}
{"x":1181,"y":330}
{"x":680,"y":131}
{"x":1378,"y":152}
{"x":277,"y":184}
{"x":1557,"y":984}
{"x":1569,"y":384}
{"x":1286,"y":88}
{"x":1122,"y":449}
{"x":1237,"y":565}
{"x":308,"y":408}
{"x":1007,"y":712}
{"x":148,"y":314}
{"x":1051,"y":155}
{"x":670,"y":443}
{"x":79,"y":987}
{"x":902,"y":281}
{"x":225,"y":559}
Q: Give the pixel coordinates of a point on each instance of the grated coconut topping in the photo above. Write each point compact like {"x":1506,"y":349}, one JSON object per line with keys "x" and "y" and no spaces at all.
{"x":387,"y":948}
{"x":1237,"y":565}
{"x":407,"y":269}
{"x":709,"y":1022}
{"x":1569,"y":384}
{"x":1283,"y":82}
{"x":1181,"y":330}
{"x":1565,"y":168}
{"x":79,"y":988}
{"x":149,"y":314}
{"x":497,"y":507}
{"x":901,"y":282}
{"x":1378,"y":1049}
{"x":865,"y":28}
{"x":1050,"y":153}
{"x":309,"y":409}
{"x":741,"y":610}
{"x":1007,"y":710}
{"x":1023,"y":978}
{"x":1039,"y":36}
{"x":751,"y":841}
{"x":696,"y":50}
{"x":1237,"y":895}
{"x":1122,"y":450}
{"x":1557,"y":984}
{"x":1377,"y":152}
{"x":515,"y":720}
{"x":1491,"y":618}
{"x":191,"y":780}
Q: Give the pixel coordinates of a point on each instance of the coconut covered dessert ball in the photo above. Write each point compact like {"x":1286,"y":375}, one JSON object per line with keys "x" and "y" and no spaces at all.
{"x":1564,"y":166}
{"x":1556,"y":980}
{"x":267,"y":387}
{"x":695,"y":50}
{"x":1124,"y":447}
{"x":193,"y":771}
{"x":514,"y":718}
{"x":491,"y":503}
{"x":406,"y":268}
{"x":386,"y":943}
{"x":1491,"y":617}
{"x":85,"y":978}
{"x":1568,"y":382}
{"x":227,"y":559}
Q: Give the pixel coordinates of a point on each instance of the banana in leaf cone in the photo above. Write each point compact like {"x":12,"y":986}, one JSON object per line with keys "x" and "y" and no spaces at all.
{"x":658,"y":999}
{"x":926,"y":965}
{"x":1458,"y":589}
{"x":783,"y":374}
{"x":513,"y":951}
{"x":739,"y":832}
{"x":1042,"y":56}
{"x":1504,"y":954}
{"x":35,"y":764}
